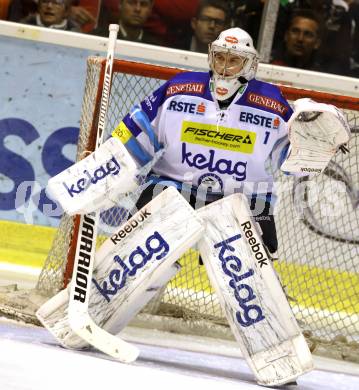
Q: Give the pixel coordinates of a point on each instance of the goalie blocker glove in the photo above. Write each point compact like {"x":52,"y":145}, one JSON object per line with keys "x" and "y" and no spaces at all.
{"x":97,"y":181}
{"x":316,"y":132}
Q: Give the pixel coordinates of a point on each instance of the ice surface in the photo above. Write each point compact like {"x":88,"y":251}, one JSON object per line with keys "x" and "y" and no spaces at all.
{"x":30,"y":359}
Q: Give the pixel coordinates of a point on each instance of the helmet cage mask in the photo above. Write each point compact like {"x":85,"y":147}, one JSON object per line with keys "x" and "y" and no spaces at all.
{"x":238,"y":43}
{"x":249,"y":63}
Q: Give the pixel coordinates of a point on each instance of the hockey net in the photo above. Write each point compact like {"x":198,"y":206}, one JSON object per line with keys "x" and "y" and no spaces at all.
{"x":317,"y":223}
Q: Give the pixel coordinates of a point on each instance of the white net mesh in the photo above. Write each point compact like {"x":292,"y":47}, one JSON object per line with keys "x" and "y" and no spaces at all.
{"x":318,"y":251}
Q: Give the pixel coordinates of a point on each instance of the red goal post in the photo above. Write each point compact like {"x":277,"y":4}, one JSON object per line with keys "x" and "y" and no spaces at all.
{"x":318,"y":253}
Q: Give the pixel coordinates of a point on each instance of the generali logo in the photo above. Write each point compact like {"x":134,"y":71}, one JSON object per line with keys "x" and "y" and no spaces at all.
{"x":193,"y":88}
{"x":231,"y":39}
{"x":264,"y":101}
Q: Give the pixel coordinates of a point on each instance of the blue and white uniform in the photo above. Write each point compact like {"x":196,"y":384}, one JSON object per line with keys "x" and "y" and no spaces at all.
{"x":228,"y":149}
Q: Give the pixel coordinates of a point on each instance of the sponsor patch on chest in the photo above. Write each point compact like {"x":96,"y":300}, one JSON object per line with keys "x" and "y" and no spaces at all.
{"x":259,"y":120}
{"x":187,"y":107}
{"x":218,"y":137}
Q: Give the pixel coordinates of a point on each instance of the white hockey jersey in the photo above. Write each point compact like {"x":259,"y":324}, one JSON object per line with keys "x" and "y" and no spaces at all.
{"x":227,"y":150}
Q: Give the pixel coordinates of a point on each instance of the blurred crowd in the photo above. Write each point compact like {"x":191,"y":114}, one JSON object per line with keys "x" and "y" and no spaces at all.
{"x":319,"y":35}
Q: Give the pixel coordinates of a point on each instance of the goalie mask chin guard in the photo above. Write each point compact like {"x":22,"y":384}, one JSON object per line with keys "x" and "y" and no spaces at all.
{"x":233,"y":61}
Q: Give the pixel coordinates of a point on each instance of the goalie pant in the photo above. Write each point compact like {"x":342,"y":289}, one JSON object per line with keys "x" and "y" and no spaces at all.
{"x":262,"y":209}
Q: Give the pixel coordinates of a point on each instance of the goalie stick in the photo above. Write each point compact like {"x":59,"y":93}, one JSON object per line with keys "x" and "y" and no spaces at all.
{"x":79,"y":318}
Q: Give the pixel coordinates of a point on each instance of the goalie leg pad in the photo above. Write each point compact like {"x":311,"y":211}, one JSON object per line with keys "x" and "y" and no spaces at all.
{"x":52,"y":313}
{"x":250,"y":293}
{"x":130,"y":267}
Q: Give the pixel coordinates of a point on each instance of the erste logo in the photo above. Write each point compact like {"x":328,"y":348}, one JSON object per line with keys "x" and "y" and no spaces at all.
{"x":201,"y":109}
{"x":276,"y":123}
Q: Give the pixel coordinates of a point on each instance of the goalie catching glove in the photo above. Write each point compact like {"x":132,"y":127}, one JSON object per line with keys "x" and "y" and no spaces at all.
{"x":316,"y":132}
{"x":97,"y":181}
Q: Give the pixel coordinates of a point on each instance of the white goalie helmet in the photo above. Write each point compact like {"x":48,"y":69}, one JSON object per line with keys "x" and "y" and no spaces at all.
{"x":233,"y":60}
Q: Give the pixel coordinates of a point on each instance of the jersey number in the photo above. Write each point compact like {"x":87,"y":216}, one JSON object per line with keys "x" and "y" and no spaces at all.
{"x":266,"y":138}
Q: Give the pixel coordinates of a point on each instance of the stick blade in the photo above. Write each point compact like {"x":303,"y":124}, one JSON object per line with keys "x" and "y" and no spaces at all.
{"x":83,"y":326}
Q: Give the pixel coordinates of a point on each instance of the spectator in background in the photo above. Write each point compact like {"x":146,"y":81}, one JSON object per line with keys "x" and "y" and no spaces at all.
{"x":85,"y":13}
{"x":19,"y":9}
{"x":337,"y":31}
{"x":109,"y":13}
{"x":301,"y":42}
{"x":248,"y":15}
{"x":170,"y":21}
{"x":82,"y":12}
{"x":52,"y":14}
{"x":212,"y":17}
{"x":133,"y":16}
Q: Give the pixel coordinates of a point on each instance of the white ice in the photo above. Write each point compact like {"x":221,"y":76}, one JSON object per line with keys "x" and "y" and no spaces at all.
{"x":30,"y":359}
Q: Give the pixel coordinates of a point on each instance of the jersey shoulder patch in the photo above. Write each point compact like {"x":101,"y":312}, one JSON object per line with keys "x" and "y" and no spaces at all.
{"x":188,"y":83}
{"x":267,"y":97}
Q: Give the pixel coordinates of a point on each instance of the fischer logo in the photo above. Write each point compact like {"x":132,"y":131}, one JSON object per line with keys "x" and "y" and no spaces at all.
{"x":218,"y":137}
{"x":232,"y":266}
{"x":223,"y":135}
{"x":231,"y":39}
{"x":111,"y":167}
{"x":208,"y":162}
{"x":86,"y":244}
{"x":316,"y":170}
{"x":130,"y":265}
{"x":256,"y":246}
{"x":264,"y":101}
{"x":131,"y":225}
{"x":194,"y":88}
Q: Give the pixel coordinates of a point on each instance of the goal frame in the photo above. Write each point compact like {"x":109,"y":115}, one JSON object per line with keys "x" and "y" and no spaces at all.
{"x":164,"y":73}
